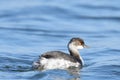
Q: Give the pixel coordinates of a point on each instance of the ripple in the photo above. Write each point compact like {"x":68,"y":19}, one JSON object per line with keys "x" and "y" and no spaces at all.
{"x":10,"y":63}
{"x":15,"y":68}
{"x":38,"y":75}
{"x":29,"y":28}
{"x":98,"y":7}
{"x":117,"y":18}
{"x":54,"y":11}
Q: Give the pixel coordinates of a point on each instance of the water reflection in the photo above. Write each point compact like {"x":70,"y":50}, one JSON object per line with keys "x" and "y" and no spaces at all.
{"x":69,"y":74}
{"x":74,"y":71}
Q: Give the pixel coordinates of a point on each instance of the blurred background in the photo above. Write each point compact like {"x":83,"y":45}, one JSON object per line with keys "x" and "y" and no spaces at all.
{"x":29,"y":28}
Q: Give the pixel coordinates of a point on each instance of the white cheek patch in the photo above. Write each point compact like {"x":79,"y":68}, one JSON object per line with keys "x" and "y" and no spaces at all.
{"x":72,"y":46}
{"x":80,"y":47}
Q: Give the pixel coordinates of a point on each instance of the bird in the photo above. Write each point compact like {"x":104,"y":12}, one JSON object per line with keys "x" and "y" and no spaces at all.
{"x":62,"y":60}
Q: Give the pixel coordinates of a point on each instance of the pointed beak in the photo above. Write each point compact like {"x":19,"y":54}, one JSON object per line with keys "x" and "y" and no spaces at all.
{"x":85,"y":46}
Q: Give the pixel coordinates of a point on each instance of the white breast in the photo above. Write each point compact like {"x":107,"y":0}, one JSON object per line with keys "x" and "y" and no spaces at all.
{"x":57,"y":63}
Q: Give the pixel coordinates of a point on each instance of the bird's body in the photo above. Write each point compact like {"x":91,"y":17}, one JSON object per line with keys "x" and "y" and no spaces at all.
{"x":61,"y":60}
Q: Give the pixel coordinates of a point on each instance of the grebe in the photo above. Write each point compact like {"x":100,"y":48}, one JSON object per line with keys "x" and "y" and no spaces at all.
{"x":61,"y":60}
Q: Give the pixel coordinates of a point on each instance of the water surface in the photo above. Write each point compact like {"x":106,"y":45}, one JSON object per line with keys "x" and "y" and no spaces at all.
{"x":29,"y":28}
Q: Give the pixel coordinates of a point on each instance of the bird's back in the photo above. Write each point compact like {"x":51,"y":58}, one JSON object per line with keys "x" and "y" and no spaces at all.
{"x":58,"y":55}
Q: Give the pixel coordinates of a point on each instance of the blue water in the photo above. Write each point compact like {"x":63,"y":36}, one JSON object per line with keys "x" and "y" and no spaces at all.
{"x":29,"y":28}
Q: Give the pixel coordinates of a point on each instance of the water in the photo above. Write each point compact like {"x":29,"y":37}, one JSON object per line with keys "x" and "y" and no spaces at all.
{"x":29,"y":28}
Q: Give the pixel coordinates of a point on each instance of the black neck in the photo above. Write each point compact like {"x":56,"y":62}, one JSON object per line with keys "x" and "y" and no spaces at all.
{"x":75,"y":55}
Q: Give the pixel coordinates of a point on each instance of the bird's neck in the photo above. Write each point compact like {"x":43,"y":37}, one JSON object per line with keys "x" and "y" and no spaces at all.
{"x":75,"y":54}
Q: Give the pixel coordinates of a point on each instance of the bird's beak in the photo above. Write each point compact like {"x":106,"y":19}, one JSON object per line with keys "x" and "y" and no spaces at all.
{"x":85,"y":46}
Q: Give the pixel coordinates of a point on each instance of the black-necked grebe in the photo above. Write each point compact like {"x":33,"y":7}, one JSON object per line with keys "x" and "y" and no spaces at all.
{"x":61,"y":60}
